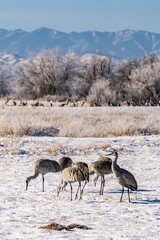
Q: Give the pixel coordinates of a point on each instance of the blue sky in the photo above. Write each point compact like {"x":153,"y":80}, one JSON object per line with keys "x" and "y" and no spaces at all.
{"x":81,"y":15}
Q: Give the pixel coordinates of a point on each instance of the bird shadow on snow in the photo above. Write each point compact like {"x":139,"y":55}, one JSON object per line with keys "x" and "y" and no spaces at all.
{"x":145,"y":190}
{"x":147,"y":201}
{"x":139,"y":190}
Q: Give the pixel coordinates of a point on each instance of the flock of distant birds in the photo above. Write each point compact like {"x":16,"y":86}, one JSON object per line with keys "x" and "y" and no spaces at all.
{"x":80,"y":172}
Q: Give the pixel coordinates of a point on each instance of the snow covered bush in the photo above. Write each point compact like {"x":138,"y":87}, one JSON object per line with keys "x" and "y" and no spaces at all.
{"x":100,"y":93}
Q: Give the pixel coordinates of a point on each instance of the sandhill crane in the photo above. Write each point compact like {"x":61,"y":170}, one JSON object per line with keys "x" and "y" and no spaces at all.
{"x":124,"y":177}
{"x":65,"y":162}
{"x":101,"y":167}
{"x":85,"y":170}
{"x":92,"y":168}
{"x":70,"y":175}
{"x":43,"y":166}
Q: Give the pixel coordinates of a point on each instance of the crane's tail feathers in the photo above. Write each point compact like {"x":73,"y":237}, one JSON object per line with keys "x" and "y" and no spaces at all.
{"x":133,"y":188}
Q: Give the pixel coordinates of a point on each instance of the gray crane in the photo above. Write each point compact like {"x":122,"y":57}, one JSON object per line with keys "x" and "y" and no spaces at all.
{"x":43,"y":166}
{"x":85,"y":170}
{"x":65,"y":162}
{"x":98,"y":175}
{"x":101,"y":167}
{"x":124,"y":177}
{"x":70,"y":175}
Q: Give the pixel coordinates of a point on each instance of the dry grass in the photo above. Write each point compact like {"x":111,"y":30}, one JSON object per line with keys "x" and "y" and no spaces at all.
{"x":53,"y":150}
{"x":79,"y":122}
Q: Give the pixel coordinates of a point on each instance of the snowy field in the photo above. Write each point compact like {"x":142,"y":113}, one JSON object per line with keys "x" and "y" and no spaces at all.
{"x":23,"y":213}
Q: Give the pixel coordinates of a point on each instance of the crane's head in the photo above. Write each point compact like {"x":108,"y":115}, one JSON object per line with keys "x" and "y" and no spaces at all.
{"x":113,"y":152}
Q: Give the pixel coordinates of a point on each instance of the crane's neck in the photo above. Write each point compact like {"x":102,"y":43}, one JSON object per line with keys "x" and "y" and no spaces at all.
{"x":32,"y":177}
{"x":115,"y":166}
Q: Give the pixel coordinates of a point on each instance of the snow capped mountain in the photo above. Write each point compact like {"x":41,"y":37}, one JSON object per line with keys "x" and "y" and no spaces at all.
{"x":9,"y":59}
{"x":122,"y":44}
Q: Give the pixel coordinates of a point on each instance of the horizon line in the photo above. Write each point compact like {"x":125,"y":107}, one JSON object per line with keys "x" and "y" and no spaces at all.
{"x":125,"y":29}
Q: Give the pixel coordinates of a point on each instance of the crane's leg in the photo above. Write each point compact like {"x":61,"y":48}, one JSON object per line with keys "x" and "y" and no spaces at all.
{"x":95,"y":179}
{"x":58,"y":190}
{"x":129,"y":196}
{"x":26,"y":185}
{"x":103,"y":183}
{"x":78,"y":189}
{"x":42,"y":182}
{"x":100,"y":193}
{"x":61,"y":186}
{"x":122,"y":194}
{"x":83,"y":187}
{"x":71,"y":190}
{"x":64,"y":188}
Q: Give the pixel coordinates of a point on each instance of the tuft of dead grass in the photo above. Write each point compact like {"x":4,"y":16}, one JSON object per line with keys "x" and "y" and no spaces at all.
{"x":105,"y":213}
{"x":53,"y":150}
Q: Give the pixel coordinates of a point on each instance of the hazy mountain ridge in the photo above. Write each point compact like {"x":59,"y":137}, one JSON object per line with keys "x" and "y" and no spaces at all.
{"x":122,"y":44}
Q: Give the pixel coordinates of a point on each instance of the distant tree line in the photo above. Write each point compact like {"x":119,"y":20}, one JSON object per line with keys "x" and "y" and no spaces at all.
{"x":98,"y":80}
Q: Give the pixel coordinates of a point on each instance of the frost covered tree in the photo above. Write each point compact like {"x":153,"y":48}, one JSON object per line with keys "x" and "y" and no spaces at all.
{"x":145,"y":86}
{"x":46,"y":74}
{"x":148,"y":59}
{"x":98,"y":67}
{"x":70,"y":72}
{"x":122,"y":78}
{"x":4,"y":82}
{"x":95,"y":79}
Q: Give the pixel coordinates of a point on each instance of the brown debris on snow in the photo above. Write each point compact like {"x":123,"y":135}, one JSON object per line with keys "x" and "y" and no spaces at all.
{"x":74,"y":225}
{"x":56,"y":226}
{"x":59,"y":227}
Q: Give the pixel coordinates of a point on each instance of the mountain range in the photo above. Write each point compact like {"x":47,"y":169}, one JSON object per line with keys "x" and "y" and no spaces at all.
{"x":122,"y":44}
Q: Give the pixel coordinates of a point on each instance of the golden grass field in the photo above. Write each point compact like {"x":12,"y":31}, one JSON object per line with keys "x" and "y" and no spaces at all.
{"x":78,"y":121}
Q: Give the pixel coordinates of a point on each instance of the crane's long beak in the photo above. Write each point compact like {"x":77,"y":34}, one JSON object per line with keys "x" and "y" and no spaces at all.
{"x":113,"y":151}
{"x":26,"y":185}
{"x":110,"y":154}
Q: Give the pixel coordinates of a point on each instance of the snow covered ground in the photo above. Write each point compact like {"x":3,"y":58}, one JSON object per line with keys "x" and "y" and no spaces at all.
{"x":22,"y":214}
